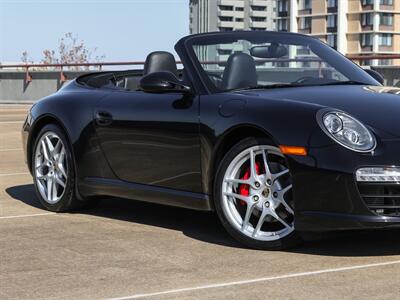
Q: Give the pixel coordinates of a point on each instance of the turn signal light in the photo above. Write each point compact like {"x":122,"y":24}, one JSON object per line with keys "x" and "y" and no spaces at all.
{"x":293,"y":150}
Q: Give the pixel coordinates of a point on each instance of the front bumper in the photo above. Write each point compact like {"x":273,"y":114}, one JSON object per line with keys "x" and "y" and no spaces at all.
{"x":24,"y":137}
{"x":321,"y":221}
{"x":328,"y":196}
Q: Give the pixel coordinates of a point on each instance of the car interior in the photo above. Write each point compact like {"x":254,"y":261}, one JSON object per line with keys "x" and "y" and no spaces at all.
{"x":155,"y":62}
{"x":265,"y":65}
{"x":129,"y":80}
{"x":240,"y":71}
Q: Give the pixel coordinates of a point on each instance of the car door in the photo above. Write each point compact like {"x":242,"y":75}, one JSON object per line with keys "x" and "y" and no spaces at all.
{"x":151,"y":139}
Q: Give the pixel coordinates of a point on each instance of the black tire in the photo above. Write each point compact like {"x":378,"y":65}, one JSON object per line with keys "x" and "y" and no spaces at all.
{"x":289,"y":241}
{"x":68,"y":201}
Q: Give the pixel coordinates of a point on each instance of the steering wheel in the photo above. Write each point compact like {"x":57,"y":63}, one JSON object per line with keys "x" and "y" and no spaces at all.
{"x":304,"y":79}
{"x":216,"y":76}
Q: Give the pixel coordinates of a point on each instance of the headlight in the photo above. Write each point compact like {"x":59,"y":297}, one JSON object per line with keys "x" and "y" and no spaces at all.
{"x":347,"y":131}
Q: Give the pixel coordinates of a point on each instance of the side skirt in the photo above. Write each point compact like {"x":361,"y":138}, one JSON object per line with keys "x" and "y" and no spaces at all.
{"x":96,"y":186}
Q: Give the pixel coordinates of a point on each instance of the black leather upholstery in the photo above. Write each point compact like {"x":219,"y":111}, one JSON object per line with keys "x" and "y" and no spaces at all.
{"x":160,"y":61}
{"x":240,"y":72}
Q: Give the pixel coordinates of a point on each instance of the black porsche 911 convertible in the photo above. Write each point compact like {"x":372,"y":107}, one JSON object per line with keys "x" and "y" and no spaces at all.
{"x":276,"y":132}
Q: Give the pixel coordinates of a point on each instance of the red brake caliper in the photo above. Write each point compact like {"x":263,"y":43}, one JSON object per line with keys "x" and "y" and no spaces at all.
{"x":244,"y":189}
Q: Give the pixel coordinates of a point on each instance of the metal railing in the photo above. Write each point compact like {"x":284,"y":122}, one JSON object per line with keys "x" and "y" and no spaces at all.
{"x":360,"y":58}
{"x":99,"y":65}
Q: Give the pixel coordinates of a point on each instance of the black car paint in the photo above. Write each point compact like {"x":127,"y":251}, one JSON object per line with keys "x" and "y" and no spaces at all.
{"x":146,"y":148}
{"x":184,"y":134}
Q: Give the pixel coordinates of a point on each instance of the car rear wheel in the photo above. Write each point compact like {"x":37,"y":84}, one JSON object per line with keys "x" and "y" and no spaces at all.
{"x":253,"y":196}
{"x":53,"y":170}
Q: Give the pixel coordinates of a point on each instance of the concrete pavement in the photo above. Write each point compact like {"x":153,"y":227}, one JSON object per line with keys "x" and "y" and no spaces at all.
{"x":124,"y":248}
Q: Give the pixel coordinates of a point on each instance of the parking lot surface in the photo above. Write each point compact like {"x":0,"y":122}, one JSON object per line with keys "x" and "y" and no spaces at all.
{"x":130,"y":250}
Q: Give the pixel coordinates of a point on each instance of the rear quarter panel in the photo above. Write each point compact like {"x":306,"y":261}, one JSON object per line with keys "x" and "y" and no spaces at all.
{"x":73,"y":108}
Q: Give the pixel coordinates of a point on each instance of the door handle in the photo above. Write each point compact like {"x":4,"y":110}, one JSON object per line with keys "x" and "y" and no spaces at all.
{"x":103,"y":118}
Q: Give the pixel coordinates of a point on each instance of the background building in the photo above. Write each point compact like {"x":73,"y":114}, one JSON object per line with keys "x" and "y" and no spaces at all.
{"x":354,"y":27}
{"x":228,"y":15}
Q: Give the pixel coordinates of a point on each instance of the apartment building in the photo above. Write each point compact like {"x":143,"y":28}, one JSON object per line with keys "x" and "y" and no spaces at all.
{"x":228,"y":15}
{"x":354,"y":27}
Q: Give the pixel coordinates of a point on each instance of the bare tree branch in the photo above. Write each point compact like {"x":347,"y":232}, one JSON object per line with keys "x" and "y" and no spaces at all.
{"x":70,"y":50}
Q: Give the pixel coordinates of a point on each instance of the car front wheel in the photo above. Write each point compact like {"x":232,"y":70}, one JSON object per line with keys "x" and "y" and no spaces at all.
{"x":253,"y":196}
{"x":53,"y":170}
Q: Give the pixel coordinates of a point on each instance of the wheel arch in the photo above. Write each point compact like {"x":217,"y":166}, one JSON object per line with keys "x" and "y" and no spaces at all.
{"x":231,"y":137}
{"x":36,"y":127}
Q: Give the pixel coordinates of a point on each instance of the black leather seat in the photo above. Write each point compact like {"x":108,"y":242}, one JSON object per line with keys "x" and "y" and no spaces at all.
{"x":160,"y":61}
{"x":240,"y":72}
{"x":155,"y":62}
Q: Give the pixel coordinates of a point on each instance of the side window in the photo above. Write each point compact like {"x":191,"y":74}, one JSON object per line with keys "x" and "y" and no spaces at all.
{"x":132,"y":82}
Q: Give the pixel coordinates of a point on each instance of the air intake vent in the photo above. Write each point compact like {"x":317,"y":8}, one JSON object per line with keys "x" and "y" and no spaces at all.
{"x":381,"y":198}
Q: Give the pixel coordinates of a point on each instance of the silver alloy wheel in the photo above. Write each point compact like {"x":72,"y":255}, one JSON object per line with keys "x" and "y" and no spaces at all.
{"x":51,"y":169}
{"x":264,"y":214}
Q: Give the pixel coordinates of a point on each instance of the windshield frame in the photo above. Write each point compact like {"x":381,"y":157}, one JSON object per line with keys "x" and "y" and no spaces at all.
{"x":328,"y":54}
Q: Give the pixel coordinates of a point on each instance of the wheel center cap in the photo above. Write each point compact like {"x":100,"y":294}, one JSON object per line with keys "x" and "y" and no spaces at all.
{"x":266,"y":192}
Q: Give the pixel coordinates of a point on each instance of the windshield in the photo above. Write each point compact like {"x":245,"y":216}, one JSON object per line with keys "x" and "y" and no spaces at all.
{"x":246,"y":61}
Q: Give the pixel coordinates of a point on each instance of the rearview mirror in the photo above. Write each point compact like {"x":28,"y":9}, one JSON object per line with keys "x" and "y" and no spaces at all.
{"x":161,"y":82}
{"x":273,"y":51}
{"x":376,"y":75}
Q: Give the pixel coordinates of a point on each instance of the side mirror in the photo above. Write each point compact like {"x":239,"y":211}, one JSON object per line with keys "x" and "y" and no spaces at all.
{"x":376,"y":75}
{"x":161,"y":82}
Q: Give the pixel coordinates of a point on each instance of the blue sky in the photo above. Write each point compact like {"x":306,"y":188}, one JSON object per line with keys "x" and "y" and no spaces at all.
{"x":122,"y":30}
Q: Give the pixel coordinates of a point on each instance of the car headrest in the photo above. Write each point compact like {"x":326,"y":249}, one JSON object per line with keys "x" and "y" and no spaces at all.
{"x":160,"y":61}
{"x":240,"y":72}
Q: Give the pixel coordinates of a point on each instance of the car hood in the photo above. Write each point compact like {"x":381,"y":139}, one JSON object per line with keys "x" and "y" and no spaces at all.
{"x":376,"y":106}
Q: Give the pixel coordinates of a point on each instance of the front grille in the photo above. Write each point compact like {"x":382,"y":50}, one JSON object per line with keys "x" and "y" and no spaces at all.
{"x":381,"y":198}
